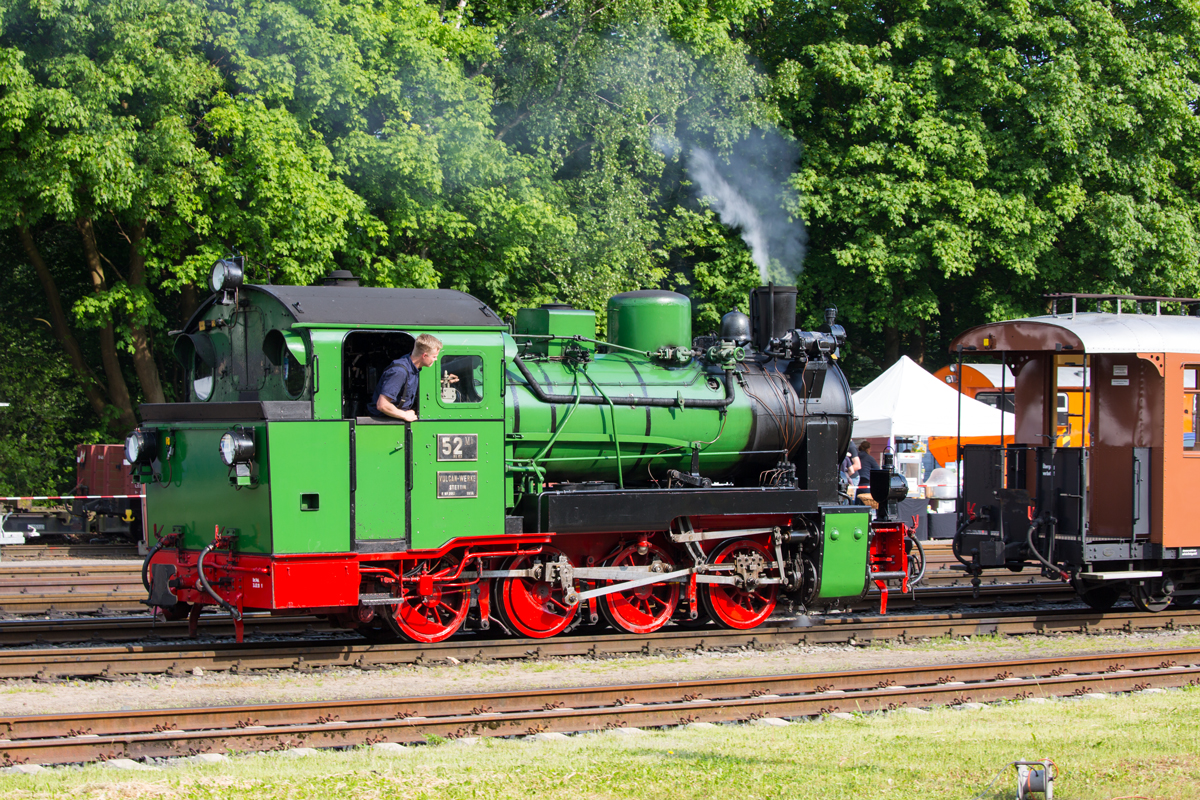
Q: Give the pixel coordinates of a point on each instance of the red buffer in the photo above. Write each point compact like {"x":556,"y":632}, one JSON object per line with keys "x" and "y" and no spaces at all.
{"x":888,"y":558}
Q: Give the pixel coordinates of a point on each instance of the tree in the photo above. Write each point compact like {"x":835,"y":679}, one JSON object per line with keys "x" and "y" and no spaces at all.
{"x":47,"y":412}
{"x":114,"y":122}
{"x":961,"y":158}
{"x":613,"y":96}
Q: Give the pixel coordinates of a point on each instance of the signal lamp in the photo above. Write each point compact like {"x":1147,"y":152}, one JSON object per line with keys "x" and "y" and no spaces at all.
{"x":237,"y":447}
{"x":140,"y":447}
{"x":226,"y":274}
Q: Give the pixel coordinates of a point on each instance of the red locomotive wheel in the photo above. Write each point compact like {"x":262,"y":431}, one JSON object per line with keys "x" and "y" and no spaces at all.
{"x":644,"y":609}
{"x":737,"y":607}
{"x":535,"y":608}
{"x":433,"y":615}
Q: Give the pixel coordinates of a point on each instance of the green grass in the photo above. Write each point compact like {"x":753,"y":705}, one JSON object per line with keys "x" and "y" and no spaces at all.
{"x":1144,"y":745}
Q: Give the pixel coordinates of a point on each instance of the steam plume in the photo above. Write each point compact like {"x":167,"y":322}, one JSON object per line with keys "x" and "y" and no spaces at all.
{"x":748,"y":192}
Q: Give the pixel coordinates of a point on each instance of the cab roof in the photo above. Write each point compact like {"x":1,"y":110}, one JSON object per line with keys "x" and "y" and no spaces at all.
{"x":357,"y":306}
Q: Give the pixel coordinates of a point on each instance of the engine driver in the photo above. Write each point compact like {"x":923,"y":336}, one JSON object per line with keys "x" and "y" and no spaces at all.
{"x":397,"y":389}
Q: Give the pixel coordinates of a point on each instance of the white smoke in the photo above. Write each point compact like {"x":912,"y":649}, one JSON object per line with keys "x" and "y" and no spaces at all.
{"x":748,"y":191}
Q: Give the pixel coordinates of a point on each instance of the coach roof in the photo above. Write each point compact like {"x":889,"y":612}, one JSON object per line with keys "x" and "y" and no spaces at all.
{"x":358,"y":306}
{"x":1088,"y":332}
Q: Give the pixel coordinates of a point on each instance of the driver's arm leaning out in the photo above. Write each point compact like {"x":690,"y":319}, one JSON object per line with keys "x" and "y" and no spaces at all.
{"x":396,"y":393}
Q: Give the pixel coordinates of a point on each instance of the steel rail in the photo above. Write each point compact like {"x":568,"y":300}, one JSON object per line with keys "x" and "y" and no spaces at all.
{"x":145,"y":628}
{"x":122,"y":597}
{"x":73,"y":602}
{"x":50,"y":739}
{"x":38,"y":552}
{"x":130,"y":627}
{"x":114,"y":662}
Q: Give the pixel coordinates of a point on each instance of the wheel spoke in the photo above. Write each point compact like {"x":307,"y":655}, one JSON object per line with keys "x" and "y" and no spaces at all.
{"x":530,"y":612}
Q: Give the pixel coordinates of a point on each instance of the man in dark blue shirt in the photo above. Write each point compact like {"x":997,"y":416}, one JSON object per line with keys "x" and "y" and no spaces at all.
{"x":397,"y":389}
{"x":868,"y":465}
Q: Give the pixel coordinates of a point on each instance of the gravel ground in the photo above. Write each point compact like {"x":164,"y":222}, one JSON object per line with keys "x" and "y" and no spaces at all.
{"x":18,"y":697}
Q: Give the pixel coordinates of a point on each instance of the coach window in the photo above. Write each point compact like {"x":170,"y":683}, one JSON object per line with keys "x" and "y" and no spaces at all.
{"x":1191,"y":406}
{"x":462,"y":378}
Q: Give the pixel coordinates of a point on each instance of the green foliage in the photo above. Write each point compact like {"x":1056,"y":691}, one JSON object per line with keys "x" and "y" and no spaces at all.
{"x":959,"y":160}
{"x":47,"y":413}
{"x":610,"y":95}
{"x":46,"y":417}
{"x":962,"y":159}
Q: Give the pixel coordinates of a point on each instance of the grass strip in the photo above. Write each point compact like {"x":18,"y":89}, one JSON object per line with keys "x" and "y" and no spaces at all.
{"x":1143,"y":745}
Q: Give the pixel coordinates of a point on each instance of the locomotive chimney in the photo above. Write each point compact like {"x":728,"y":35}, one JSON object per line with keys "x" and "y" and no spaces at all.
{"x":772,"y":313}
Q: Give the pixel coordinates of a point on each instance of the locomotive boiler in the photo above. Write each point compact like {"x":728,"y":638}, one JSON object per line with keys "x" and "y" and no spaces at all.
{"x":551,"y":479}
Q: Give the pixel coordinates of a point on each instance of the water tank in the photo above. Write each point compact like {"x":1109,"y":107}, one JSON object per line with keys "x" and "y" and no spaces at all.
{"x":555,"y":319}
{"x":649,"y":319}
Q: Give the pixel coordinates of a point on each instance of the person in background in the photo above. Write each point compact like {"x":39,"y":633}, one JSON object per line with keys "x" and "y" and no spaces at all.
{"x":867,"y":463}
{"x":850,"y":468}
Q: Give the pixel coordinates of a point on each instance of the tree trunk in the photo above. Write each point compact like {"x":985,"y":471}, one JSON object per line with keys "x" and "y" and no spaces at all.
{"x":891,"y":344}
{"x":918,"y":344}
{"x":143,"y":353}
{"x":189,"y":301}
{"x":62,"y":331}
{"x":118,"y":391}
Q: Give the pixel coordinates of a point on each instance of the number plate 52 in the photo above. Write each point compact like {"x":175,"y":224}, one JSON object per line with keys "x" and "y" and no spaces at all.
{"x":458,"y":447}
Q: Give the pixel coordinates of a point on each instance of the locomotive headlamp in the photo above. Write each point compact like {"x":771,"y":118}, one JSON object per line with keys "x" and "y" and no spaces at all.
{"x":140,"y":447}
{"x":226,"y":274}
{"x":237,"y":447}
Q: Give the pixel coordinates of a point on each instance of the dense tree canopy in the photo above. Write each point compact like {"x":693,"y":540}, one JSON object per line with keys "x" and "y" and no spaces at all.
{"x":964,"y":158}
{"x":956,"y":161}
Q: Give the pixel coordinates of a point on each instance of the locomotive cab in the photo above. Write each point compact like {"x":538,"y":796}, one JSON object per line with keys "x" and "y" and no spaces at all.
{"x":1100,"y":505}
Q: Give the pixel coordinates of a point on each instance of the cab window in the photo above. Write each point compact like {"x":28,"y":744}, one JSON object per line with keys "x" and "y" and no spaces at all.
{"x":203,"y":377}
{"x":461,"y":378}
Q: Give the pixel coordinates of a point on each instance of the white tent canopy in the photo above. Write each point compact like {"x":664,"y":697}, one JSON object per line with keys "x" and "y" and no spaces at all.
{"x":908,"y":401}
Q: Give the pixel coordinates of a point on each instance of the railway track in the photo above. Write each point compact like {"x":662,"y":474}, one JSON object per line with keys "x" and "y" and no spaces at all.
{"x":71,"y":738}
{"x":42,"y":589}
{"x":115,"y":662}
{"x":143,"y":627}
{"x":76,"y":586}
{"x":44,"y":552}
{"x":128,"y":627}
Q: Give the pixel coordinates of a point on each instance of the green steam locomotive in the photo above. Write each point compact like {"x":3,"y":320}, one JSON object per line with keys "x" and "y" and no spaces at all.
{"x":551,"y":479}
